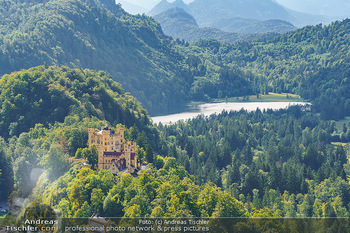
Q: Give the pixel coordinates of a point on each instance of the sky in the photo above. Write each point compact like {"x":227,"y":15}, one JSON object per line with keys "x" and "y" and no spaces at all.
{"x":323,"y":7}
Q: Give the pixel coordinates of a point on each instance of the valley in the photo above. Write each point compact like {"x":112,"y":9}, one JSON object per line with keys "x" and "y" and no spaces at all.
{"x":71,"y":67}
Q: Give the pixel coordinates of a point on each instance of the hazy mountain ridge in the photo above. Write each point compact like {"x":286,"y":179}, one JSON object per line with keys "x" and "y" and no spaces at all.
{"x":164,"y":5}
{"x":335,"y":10}
{"x":243,"y":25}
{"x":214,"y":13}
{"x":206,"y":12}
{"x":177,"y":23}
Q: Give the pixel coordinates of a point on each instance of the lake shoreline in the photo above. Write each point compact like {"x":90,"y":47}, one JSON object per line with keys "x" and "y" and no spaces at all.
{"x":208,"y":109}
{"x":271,"y":97}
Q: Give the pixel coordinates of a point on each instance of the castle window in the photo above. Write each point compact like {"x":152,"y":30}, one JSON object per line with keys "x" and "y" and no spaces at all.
{"x":98,"y":141}
{"x":105,"y":144}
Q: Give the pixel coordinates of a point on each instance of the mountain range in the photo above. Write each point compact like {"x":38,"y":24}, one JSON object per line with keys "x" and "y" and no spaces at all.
{"x":177,"y":23}
{"x":219,"y":19}
{"x":161,"y":73}
{"x":336,"y":9}
{"x":215,"y":13}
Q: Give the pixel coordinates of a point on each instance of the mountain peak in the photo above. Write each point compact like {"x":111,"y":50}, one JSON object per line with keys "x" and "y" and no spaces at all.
{"x":178,"y":14}
{"x":164,"y":5}
{"x":208,"y":12}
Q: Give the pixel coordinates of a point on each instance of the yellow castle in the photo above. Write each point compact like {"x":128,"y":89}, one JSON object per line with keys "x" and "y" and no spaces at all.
{"x":114,"y":152}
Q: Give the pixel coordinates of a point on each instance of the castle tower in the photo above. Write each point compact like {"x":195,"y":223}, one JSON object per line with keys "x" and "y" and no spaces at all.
{"x":121,"y":131}
{"x":95,"y":138}
{"x":134,"y":151}
{"x":113,"y":149}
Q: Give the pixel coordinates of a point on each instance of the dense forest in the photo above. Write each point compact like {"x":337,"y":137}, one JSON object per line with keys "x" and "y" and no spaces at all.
{"x":282,"y":160}
{"x":312,"y":61}
{"x":43,"y":149}
{"x":35,"y":100}
{"x":164,"y":74}
{"x":94,"y":34}
{"x":100,"y":35}
{"x":169,"y":191}
{"x":287,"y":163}
{"x":48,"y":94}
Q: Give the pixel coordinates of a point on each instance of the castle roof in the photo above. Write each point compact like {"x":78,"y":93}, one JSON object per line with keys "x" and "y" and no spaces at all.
{"x":107,"y":129}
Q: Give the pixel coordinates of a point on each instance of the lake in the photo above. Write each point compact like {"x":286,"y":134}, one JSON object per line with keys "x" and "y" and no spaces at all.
{"x":211,"y":108}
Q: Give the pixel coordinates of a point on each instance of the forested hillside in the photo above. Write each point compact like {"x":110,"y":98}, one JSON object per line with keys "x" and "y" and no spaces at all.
{"x":312,"y":61}
{"x":286,"y":163}
{"x":168,"y":191}
{"x":57,"y":107}
{"x":277,"y":164}
{"x":281,"y":161}
{"x":85,"y":34}
{"x":46,"y":107}
{"x":100,"y":35}
{"x":48,"y":94}
{"x":164,"y":74}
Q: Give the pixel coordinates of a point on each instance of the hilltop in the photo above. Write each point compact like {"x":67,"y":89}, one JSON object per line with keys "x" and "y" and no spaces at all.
{"x":45,"y":116}
{"x":47,"y":95}
{"x":94,"y":34}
